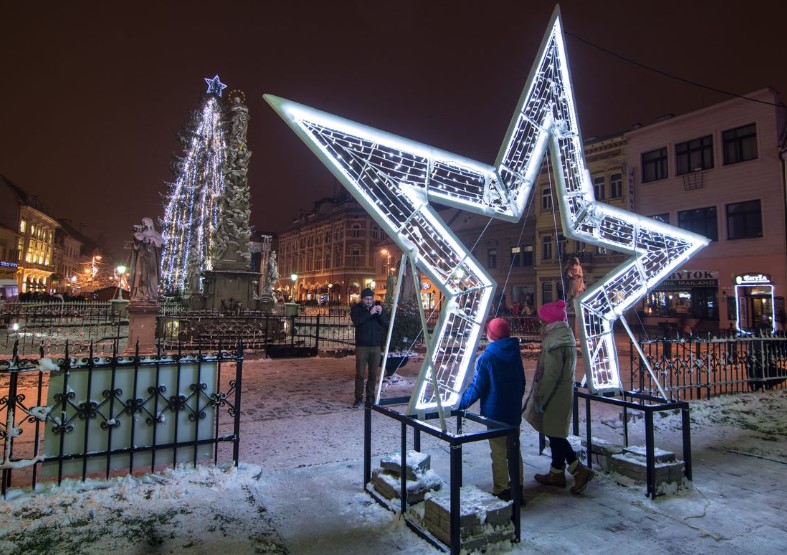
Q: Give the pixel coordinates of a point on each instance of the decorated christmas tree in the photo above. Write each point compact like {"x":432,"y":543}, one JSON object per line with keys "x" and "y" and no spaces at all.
{"x":194,"y":200}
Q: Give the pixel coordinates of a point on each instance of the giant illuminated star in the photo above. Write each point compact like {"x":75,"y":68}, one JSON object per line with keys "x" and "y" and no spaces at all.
{"x":395,"y":179}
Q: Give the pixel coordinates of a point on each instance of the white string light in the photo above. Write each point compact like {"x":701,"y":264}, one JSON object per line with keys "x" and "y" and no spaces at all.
{"x":395,"y":178}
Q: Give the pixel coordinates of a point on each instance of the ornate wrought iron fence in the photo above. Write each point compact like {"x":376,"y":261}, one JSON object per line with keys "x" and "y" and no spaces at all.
{"x":29,"y":327}
{"x":704,"y":368}
{"x":98,"y":416}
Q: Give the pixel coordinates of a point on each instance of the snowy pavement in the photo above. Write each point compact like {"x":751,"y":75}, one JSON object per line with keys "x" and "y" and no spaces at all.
{"x":299,"y":487}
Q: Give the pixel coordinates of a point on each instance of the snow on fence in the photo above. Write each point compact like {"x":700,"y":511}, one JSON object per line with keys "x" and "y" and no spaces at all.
{"x":90,"y":417}
{"x":29,"y":328}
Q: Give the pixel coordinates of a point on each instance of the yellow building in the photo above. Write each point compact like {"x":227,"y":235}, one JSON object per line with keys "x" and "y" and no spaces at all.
{"x":331,"y":251}
{"x":606,"y":162}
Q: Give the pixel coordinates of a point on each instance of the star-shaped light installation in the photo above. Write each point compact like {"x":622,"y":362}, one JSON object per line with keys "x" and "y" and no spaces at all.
{"x":395,"y":179}
{"x":215,"y":86}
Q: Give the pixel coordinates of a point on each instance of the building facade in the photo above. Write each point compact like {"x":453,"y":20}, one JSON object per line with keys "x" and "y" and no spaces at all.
{"x":331,"y":252}
{"x":606,"y":163}
{"x":718,"y":172}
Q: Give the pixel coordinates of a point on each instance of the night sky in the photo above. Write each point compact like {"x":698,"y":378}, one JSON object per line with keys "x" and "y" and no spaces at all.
{"x":93,"y":94}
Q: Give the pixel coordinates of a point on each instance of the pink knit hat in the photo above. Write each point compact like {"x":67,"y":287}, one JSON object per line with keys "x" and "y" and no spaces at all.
{"x":553,"y":312}
{"x":497,"y":328}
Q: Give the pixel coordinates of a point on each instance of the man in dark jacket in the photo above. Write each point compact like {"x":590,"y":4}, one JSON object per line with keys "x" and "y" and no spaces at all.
{"x":371,"y":324}
{"x":499,"y":382}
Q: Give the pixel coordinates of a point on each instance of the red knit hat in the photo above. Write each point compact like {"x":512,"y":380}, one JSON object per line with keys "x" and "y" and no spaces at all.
{"x":497,"y":328}
{"x":553,"y":312}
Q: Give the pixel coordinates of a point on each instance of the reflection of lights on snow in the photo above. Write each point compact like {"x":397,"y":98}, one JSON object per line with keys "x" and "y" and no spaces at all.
{"x":395,"y":179}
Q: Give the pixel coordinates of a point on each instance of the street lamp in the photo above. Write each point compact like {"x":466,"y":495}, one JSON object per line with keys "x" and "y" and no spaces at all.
{"x":294,"y":278}
{"x":387,"y":254}
{"x":119,"y":271}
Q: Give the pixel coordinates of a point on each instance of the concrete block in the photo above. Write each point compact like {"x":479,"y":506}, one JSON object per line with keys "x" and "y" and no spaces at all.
{"x":417,"y":463}
{"x":484,"y":519}
{"x":636,"y":469}
{"x":660,"y":455}
{"x":388,"y":485}
{"x":602,"y":451}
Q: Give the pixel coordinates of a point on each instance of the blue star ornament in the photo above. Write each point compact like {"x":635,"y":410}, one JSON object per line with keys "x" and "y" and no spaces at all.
{"x":396,"y":180}
{"x":215,"y":86}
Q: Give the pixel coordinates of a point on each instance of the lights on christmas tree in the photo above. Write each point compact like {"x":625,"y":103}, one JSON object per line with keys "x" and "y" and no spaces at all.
{"x":192,"y":211}
{"x":395,"y":179}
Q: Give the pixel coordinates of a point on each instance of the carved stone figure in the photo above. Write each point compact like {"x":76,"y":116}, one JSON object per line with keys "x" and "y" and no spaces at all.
{"x":146,"y":262}
{"x":240,"y":120}
{"x":575,"y":279}
{"x":273,"y":273}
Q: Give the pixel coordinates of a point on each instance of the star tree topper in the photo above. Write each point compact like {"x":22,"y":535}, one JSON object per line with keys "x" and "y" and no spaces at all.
{"x":395,"y":179}
{"x":215,"y":86}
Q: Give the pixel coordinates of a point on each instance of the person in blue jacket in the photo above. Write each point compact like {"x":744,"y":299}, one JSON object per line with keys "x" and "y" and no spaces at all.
{"x":499,"y":383}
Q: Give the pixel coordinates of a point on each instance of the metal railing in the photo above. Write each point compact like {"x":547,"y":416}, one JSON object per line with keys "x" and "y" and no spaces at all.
{"x":100,"y":416}
{"x":703,"y":368}
{"x":27,"y":328}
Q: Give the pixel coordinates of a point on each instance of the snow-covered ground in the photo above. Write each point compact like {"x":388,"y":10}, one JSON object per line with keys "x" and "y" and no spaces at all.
{"x":299,"y":486}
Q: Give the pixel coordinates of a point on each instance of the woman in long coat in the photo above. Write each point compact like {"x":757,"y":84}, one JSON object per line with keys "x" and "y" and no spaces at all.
{"x":548,"y":408}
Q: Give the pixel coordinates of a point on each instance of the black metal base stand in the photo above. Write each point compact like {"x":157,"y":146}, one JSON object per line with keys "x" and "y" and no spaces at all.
{"x":455,"y":442}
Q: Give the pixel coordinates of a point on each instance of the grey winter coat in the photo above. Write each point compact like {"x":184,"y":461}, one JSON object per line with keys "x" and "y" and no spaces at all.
{"x":553,"y":383}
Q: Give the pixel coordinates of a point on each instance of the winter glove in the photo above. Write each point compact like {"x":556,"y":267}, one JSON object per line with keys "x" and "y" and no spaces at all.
{"x":539,"y":408}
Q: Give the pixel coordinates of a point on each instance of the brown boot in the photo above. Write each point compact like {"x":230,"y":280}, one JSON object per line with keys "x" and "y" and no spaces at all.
{"x":582,"y":475}
{"x":555,"y":477}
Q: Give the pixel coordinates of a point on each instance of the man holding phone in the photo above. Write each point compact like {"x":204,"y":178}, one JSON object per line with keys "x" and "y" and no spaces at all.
{"x":370,"y":324}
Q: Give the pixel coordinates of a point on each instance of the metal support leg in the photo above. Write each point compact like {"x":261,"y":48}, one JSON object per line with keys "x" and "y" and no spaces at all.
{"x":516,"y":486}
{"x":456,"y":483}
{"x":403,"y":475}
{"x":650,"y":454}
{"x":367,"y":445}
{"x":686,"y":426}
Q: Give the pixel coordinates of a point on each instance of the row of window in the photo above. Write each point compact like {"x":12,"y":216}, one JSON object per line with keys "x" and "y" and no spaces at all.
{"x":600,"y":189}
{"x":744,"y":220}
{"x":738,"y":145}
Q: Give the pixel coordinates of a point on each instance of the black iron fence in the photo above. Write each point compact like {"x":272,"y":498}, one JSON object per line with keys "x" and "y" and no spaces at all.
{"x":30,"y":327}
{"x":704,"y":368}
{"x":100,"y":416}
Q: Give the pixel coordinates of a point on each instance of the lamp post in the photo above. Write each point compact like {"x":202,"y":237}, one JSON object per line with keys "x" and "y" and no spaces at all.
{"x":294,"y":278}
{"x":387,"y":254}
{"x":291,"y":308}
{"x":119,"y":271}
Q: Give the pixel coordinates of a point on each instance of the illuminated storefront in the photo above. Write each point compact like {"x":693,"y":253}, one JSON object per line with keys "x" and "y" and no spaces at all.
{"x":755,"y":304}
{"x":685,"y":294}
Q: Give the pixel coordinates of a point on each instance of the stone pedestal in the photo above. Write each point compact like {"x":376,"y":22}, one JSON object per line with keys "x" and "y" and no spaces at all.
{"x":141,"y":327}
{"x":230,"y":290}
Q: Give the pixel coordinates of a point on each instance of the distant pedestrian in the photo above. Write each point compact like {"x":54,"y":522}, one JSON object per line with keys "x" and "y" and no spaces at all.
{"x":499,"y":383}
{"x":548,"y":407}
{"x":371,"y":324}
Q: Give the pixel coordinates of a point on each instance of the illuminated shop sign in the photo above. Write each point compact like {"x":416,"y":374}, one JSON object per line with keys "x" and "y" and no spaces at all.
{"x":685,"y":279}
{"x":752,"y":278}
{"x":5,"y":264}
